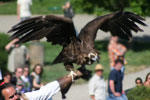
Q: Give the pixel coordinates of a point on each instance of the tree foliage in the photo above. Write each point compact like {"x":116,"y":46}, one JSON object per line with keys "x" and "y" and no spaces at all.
{"x":95,"y":6}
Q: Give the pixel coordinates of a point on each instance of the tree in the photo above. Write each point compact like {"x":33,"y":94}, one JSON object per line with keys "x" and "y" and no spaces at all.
{"x":141,"y":7}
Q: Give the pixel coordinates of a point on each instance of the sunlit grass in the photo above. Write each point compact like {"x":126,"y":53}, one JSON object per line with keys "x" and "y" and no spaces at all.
{"x":38,"y":7}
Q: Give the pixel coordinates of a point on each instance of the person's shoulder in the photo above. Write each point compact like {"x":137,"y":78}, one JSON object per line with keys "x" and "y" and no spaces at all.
{"x":113,"y":72}
{"x":14,"y":78}
{"x":121,"y":45}
{"x":33,"y":74}
{"x":109,"y":45}
{"x":23,"y":46}
{"x":145,"y":83}
{"x":93,"y":78}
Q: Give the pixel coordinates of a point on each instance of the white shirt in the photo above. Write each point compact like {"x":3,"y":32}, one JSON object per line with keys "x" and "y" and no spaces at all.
{"x":17,"y":57}
{"x":25,"y":79}
{"x":97,"y":87}
{"x":25,"y":7}
{"x":45,"y":92}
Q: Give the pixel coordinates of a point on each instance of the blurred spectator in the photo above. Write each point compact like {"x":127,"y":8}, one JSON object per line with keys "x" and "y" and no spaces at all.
{"x":36,"y":76}
{"x":1,"y":78}
{"x":26,"y":79}
{"x":115,"y":86}
{"x":17,"y":81}
{"x":17,"y":77}
{"x":68,"y":11}
{"x":116,"y":51}
{"x":97,"y":85}
{"x":7,"y":77}
{"x":147,"y":80}
{"x":23,"y":9}
{"x":138,"y":81}
{"x":18,"y":55}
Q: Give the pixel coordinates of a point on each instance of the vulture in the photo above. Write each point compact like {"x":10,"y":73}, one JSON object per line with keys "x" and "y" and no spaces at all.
{"x":76,"y":49}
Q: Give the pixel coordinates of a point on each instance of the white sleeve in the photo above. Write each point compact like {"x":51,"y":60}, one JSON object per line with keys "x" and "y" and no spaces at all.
{"x":18,"y":1}
{"x":45,"y":92}
{"x":91,"y":87}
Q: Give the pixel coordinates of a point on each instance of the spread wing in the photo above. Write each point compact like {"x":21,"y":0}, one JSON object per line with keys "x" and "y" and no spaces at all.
{"x":118,"y":24}
{"x":58,"y":30}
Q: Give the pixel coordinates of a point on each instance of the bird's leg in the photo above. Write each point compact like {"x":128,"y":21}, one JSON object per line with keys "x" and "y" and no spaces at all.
{"x":72,"y":74}
{"x":69,"y":67}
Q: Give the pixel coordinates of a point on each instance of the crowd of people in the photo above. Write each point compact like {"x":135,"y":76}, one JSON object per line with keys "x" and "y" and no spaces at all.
{"x":11,"y":92}
{"x":23,"y":80}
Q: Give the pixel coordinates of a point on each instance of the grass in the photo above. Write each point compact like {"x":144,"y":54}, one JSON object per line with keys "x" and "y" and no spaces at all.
{"x":8,"y":8}
{"x":38,"y":7}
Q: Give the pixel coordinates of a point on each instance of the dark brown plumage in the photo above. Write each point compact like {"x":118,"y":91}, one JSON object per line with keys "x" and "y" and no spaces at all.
{"x":76,"y":49}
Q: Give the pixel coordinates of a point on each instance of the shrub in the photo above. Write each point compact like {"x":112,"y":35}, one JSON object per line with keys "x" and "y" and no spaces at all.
{"x":139,"y":93}
{"x":4,"y":39}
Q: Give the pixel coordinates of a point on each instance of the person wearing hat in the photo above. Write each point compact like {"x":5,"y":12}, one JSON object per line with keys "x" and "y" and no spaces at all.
{"x":97,"y":85}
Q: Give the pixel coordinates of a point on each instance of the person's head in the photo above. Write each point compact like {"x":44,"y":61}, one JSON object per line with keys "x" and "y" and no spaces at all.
{"x":7,"y":77}
{"x":17,"y":45}
{"x":26,"y":71}
{"x":18,"y":71}
{"x":8,"y":92}
{"x":138,"y":81}
{"x":147,"y":77}
{"x":114,"y":39}
{"x":118,"y":64}
{"x":16,"y":42}
{"x":38,"y":69}
{"x":99,"y":69}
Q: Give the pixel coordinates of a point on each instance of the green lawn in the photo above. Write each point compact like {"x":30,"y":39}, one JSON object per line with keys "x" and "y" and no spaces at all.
{"x":38,"y":7}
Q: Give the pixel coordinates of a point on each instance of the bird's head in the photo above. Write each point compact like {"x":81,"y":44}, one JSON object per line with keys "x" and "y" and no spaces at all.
{"x":93,"y":57}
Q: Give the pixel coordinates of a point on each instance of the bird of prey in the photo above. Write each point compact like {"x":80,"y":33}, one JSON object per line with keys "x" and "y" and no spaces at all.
{"x":76,"y":49}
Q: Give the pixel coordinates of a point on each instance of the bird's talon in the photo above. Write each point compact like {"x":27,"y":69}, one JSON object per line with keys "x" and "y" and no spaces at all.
{"x":72,"y":74}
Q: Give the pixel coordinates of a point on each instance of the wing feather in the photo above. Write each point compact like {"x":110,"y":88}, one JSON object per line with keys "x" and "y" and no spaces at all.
{"x":118,"y":24}
{"x":56,"y":29}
